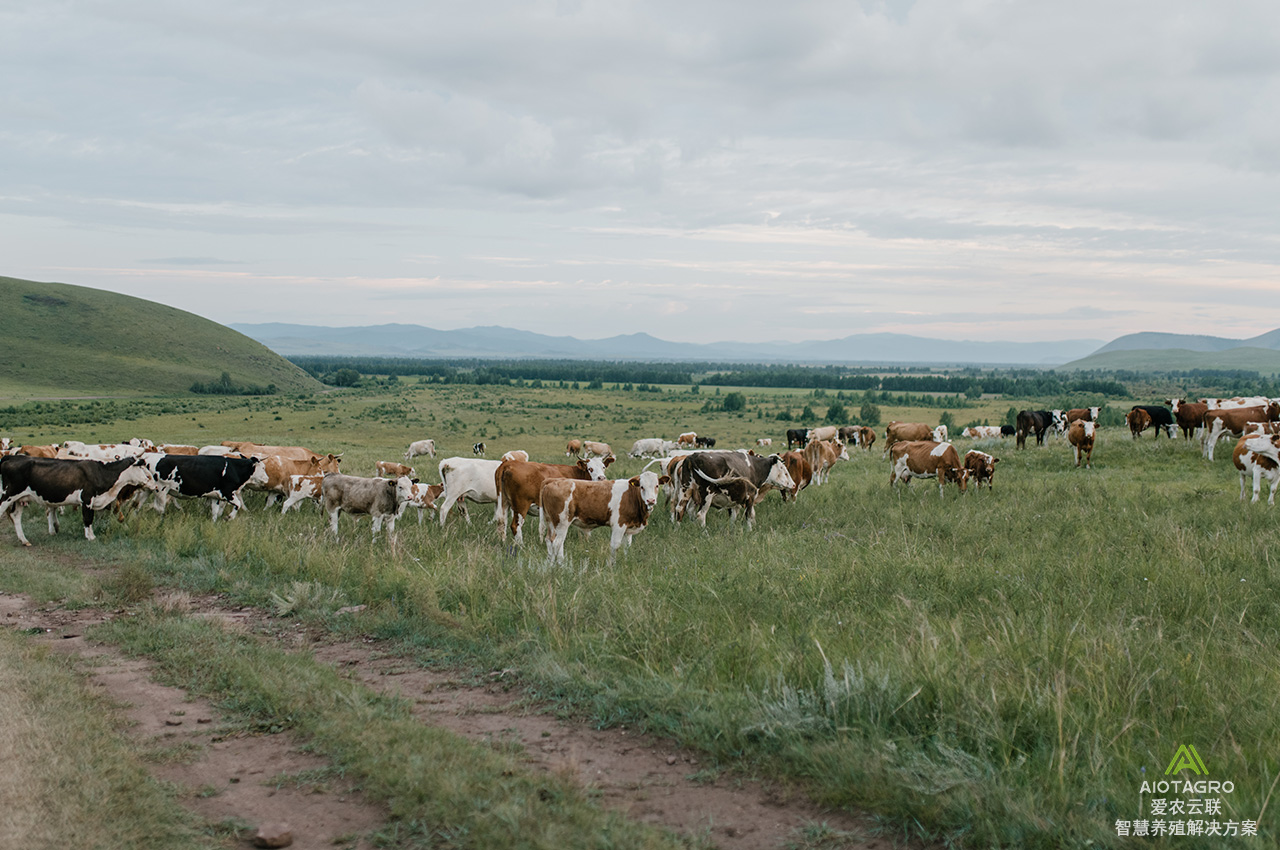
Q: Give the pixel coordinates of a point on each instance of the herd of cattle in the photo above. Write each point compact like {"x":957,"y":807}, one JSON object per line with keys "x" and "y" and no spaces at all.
{"x":693,"y":475}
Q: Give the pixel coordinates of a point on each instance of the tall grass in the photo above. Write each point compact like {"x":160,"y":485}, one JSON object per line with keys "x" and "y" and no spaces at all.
{"x":1003,"y":668}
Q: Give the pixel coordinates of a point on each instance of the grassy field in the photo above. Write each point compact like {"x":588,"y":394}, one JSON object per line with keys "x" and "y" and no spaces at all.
{"x":1003,"y":669}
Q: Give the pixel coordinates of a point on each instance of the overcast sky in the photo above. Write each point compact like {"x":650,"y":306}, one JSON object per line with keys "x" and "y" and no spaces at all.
{"x":698,"y":171}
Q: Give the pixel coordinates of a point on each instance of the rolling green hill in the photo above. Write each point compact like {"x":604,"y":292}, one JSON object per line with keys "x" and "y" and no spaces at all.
{"x":1265,"y":361}
{"x":59,"y":339}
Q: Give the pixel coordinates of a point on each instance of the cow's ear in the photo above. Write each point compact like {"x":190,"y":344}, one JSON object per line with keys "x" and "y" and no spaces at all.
{"x":633,"y":482}
{"x":581,"y":464}
{"x":666,"y":479}
{"x":751,"y":452}
{"x":609,"y":459}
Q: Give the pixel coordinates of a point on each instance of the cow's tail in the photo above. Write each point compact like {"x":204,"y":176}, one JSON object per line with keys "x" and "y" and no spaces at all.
{"x":719,"y":482}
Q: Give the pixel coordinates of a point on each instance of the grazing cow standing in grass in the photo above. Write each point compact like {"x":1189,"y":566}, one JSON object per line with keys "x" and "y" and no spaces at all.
{"x":471,"y":479}
{"x":591,"y":449}
{"x":822,"y":455}
{"x":1159,"y":417}
{"x":797,"y":437}
{"x":648,"y":447}
{"x":981,"y":432}
{"x":901,"y":432}
{"x":1081,"y":437}
{"x":219,"y":479}
{"x":1236,"y":421}
{"x":981,"y":466}
{"x":478,"y":449}
{"x":688,"y":438}
{"x":515,"y":454}
{"x":1033,"y":421}
{"x":380,"y":498}
{"x":801,"y":472}
{"x":50,"y":482}
{"x":705,"y":442}
{"x":623,"y":506}
{"x":717,"y":465}
{"x":1256,"y":456}
{"x":740,"y":493}
{"x":1138,"y":421}
{"x":302,"y":487}
{"x":573,"y":448}
{"x":927,"y":459}
{"x":1189,"y":415}
{"x":420,"y":447}
{"x":421,"y":496}
{"x":519,"y":484}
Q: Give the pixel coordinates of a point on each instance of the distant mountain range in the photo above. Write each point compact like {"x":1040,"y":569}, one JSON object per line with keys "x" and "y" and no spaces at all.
{"x":1155,"y":352}
{"x":1188,"y":342}
{"x":398,"y":340}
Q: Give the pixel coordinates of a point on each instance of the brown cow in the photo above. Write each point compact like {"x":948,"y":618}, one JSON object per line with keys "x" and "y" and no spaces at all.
{"x":909,"y":431}
{"x":519,"y":483}
{"x":38,"y":451}
{"x":1087,"y":414}
{"x":822,"y":455}
{"x":981,"y":466}
{"x":1081,"y":436}
{"x":688,"y":438}
{"x":593,"y":449}
{"x":1188,"y":415}
{"x":927,"y":459}
{"x":573,"y":448}
{"x":1258,"y":455}
{"x":623,"y":506}
{"x":1139,"y":420}
{"x":280,"y":470}
{"x":423,"y":497}
{"x":171,"y":449}
{"x":1235,"y":421}
{"x":249,"y":449}
{"x":801,"y":472}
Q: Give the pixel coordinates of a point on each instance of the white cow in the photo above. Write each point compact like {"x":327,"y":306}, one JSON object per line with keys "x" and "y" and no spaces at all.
{"x":468,"y":478}
{"x":420,"y":447}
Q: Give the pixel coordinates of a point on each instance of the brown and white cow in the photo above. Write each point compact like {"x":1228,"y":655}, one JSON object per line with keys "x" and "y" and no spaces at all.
{"x":421,"y":496}
{"x":38,"y":451}
{"x":981,"y":432}
{"x":519,"y":483}
{"x":822,"y":455}
{"x":573,"y":448}
{"x":622,"y":506}
{"x":174,"y":449}
{"x":391,"y":469}
{"x":981,"y":466}
{"x":1138,"y":420}
{"x":1188,"y":415}
{"x":689,"y":438}
{"x":764,"y":441}
{"x":250,"y":449}
{"x":515,"y":454}
{"x":1235,"y":421}
{"x":1086,"y":414}
{"x":801,"y":472}
{"x":302,"y":487}
{"x":278,"y":471}
{"x":927,"y":459}
{"x":1081,"y":436}
{"x":1258,"y":455}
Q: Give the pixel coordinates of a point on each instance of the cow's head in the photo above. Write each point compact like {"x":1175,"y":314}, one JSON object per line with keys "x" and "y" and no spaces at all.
{"x":139,"y":474}
{"x":646,"y":485}
{"x":258,"y":477}
{"x":595,"y":466}
{"x":778,"y":475}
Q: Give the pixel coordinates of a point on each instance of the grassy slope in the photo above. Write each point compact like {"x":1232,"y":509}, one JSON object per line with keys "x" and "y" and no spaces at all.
{"x":1149,"y":360}
{"x":1006,"y":667}
{"x":87,"y":341}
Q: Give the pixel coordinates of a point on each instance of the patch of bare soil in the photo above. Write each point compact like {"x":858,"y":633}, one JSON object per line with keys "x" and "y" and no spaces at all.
{"x":645,"y":778}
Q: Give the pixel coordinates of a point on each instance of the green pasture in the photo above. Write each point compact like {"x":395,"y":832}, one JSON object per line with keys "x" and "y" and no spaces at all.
{"x":1000,"y":669}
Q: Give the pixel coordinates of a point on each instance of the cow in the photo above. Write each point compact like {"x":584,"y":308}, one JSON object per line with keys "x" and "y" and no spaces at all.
{"x":573,"y":448}
{"x":302,"y":487}
{"x":908,"y":431}
{"x":716,"y":465}
{"x":218,"y":451}
{"x":1033,"y":421}
{"x":52,"y":483}
{"x":390,"y":469}
{"x":515,"y":454}
{"x":981,"y":466}
{"x":622,"y":506}
{"x":866,"y":436}
{"x":705,"y":442}
{"x":801,"y":472}
{"x":519,"y":483}
{"x":248,"y":449}
{"x":48,"y":452}
{"x":421,"y":496}
{"x":1138,"y":421}
{"x":927,"y":459}
{"x":1161,"y":419}
{"x":1081,"y":436}
{"x":470,"y":479}
{"x":1007,"y":430}
{"x":740,"y":493}
{"x":277,"y":472}
{"x":6,"y":443}
{"x":822,"y":455}
{"x":797,"y":437}
{"x":1258,"y":455}
{"x":764,"y":442}
{"x":826,"y":432}
{"x":1235,"y":421}
{"x":981,"y":432}
{"x":105,"y":452}
{"x":219,"y":479}
{"x":380,"y":498}
{"x":688,"y":438}
{"x":478,"y":449}
{"x":593,"y":449}
{"x":648,"y":447}
{"x":1189,"y":415}
{"x":420,"y":447}
{"x":173,"y":449}
{"x":1087,"y":414}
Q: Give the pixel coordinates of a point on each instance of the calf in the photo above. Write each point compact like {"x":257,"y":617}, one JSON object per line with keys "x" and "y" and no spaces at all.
{"x":219,"y":479}
{"x":519,"y":483}
{"x":380,"y":498}
{"x":1258,"y":455}
{"x":391,"y":469}
{"x":624,"y":506}
{"x":758,"y":471}
{"x":927,"y":459}
{"x":302,"y":487}
{"x":981,"y":467}
{"x":277,"y":472}
{"x":1080,"y":434}
{"x":740,"y":493}
{"x":53,"y":483}
{"x":420,"y":447}
{"x":688,"y":438}
{"x":421,"y":496}
{"x":478,"y":449}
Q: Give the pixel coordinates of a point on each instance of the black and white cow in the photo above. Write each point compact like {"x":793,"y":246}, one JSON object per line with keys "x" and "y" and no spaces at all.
{"x":704,"y":442}
{"x":797,"y":437}
{"x":219,"y":479}
{"x":380,"y":498}
{"x":1034,"y":421}
{"x":699,"y":468}
{"x":51,"y":482}
{"x":1161,"y":418}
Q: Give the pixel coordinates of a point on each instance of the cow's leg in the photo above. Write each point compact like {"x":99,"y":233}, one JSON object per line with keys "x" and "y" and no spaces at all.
{"x":236,"y":505}
{"x":1076,"y":450}
{"x":86,"y":513}
{"x":377,"y":525}
{"x":15,"y":515}
{"x":215,"y":508}
{"x":1275,"y":479}
{"x":517,"y":525}
{"x":51,"y":514}
{"x":751,"y":514}
{"x":445,"y":506}
{"x":333,"y":520}
{"x":616,"y":538}
{"x":272,"y":496}
{"x":1257,"y":483}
